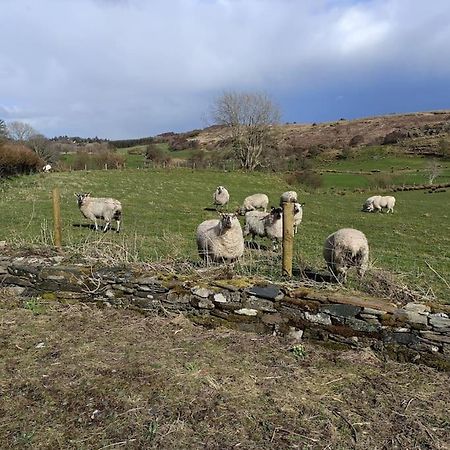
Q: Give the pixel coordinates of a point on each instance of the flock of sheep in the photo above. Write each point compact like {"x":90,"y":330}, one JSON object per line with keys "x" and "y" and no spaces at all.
{"x":222,"y":239}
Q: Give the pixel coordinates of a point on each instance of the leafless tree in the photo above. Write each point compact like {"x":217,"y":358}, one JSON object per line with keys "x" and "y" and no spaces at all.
{"x":20,"y":131}
{"x":433,"y":170}
{"x":3,"y":130}
{"x":43,"y":148}
{"x":250,"y":117}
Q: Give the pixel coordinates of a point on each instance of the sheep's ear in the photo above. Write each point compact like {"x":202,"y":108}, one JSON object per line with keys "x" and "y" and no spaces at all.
{"x":88,"y":194}
{"x":76,"y":195}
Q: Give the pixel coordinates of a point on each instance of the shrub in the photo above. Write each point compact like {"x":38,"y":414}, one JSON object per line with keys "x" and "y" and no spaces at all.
{"x":198,"y":159}
{"x":307,"y":178}
{"x":380,"y":180}
{"x":358,"y":139}
{"x":105,"y":158}
{"x":157,"y":155}
{"x":18,"y":159}
{"x":394,"y":136}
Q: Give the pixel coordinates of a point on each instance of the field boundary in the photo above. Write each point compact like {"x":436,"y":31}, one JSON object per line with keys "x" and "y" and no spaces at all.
{"x":412,"y":332}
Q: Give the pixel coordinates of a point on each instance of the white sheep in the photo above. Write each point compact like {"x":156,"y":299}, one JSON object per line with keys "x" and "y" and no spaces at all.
{"x":221,"y":197}
{"x":47,"y":168}
{"x":259,"y":223}
{"x":253,"y":202}
{"x":288,"y":197}
{"x":220,"y":239}
{"x":106,"y":209}
{"x":298,"y":215}
{"x":346,"y":248}
{"x":378,"y":202}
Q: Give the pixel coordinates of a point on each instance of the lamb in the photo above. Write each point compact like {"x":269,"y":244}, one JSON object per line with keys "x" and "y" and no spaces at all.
{"x":253,"y":202}
{"x":100,"y":208}
{"x":288,"y":197}
{"x":221,"y":197}
{"x":220,"y":240}
{"x":259,"y":223}
{"x":47,"y":168}
{"x":345,"y":248}
{"x":298,"y":215}
{"x":378,"y":202}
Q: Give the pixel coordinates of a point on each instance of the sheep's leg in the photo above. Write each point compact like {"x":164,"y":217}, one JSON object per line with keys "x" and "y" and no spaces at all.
{"x":96,"y":224}
{"x":118,"y":225}
{"x":107,"y":224}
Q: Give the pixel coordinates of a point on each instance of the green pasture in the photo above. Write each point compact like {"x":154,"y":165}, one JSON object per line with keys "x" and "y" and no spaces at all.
{"x":162,"y":209}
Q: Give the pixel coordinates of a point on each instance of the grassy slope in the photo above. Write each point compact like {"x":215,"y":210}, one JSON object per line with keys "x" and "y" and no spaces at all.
{"x":162,"y":209}
{"x":79,"y":377}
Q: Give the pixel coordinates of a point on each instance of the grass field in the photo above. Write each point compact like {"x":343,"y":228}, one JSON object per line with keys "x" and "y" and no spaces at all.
{"x":79,"y":377}
{"x":162,"y":209}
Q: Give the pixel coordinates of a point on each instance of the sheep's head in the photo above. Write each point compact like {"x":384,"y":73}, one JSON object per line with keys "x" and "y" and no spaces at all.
{"x":226,"y":220}
{"x":81,"y":197}
{"x":298,"y":207}
{"x":276,"y":213}
{"x":219,"y":189}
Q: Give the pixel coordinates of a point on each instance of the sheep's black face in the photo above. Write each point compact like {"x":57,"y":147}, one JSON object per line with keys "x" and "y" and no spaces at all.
{"x":219,"y":189}
{"x":277,"y":213}
{"x":81,"y":196}
{"x":227,"y":220}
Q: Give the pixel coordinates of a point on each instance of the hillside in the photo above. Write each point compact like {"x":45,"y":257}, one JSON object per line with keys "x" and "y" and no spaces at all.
{"x":420,"y":133}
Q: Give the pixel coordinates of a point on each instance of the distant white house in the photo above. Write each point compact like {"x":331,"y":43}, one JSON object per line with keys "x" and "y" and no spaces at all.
{"x":47,"y":168}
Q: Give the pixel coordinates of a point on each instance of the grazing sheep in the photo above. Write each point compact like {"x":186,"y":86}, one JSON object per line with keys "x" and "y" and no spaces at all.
{"x":378,"y":202}
{"x":346,"y":248}
{"x":288,"y":197}
{"x":221,"y":197}
{"x":259,"y":223}
{"x":253,"y":202}
{"x":298,"y":215}
{"x":94,"y":208}
{"x":220,"y":239}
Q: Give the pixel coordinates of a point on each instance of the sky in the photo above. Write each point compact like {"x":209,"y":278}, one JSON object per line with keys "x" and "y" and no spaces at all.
{"x":122,"y":69}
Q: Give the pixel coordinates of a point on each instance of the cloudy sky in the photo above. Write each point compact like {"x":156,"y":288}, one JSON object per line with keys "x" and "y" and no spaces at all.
{"x":133,"y":68}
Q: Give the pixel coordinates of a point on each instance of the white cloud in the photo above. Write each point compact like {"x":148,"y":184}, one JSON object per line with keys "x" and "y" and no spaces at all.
{"x":120,"y":68}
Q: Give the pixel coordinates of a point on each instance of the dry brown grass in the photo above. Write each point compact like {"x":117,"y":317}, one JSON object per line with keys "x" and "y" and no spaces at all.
{"x":76,"y":376}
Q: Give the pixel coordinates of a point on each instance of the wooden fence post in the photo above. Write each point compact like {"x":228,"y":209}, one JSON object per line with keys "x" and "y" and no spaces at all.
{"x":288,"y":238}
{"x":57,"y":217}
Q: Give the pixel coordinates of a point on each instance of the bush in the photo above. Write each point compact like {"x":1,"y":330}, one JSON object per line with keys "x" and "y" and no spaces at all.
{"x":18,"y":159}
{"x":157,"y":155}
{"x":356,"y":140}
{"x":394,"y":137}
{"x":380,"y":180}
{"x":198,"y":159}
{"x":306,"y":178}
{"x":100,"y":160}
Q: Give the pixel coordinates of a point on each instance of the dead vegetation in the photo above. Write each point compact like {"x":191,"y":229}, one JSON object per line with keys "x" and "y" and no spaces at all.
{"x":75,"y":376}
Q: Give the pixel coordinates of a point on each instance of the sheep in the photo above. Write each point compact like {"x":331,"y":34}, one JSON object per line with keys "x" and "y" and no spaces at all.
{"x":368,"y":204}
{"x":259,"y":223}
{"x":100,"y":208}
{"x":288,"y":197}
{"x":47,"y":168}
{"x":345,"y":248}
{"x":253,"y":202}
{"x":298,"y":215}
{"x":221,"y":197}
{"x":220,"y":240}
{"x":378,"y":202}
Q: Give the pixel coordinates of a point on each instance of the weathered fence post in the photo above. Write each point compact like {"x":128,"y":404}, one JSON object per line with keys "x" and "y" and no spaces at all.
{"x":57,"y":217}
{"x":288,"y":238}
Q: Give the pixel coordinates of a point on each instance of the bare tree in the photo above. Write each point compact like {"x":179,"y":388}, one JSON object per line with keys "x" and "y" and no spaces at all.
{"x":433,"y":170}
{"x":43,"y":148}
{"x":20,"y":131}
{"x":250,"y":117}
{"x":3,"y":130}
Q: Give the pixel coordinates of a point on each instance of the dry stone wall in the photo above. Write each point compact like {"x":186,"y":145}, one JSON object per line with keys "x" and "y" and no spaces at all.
{"x":415,"y":331}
